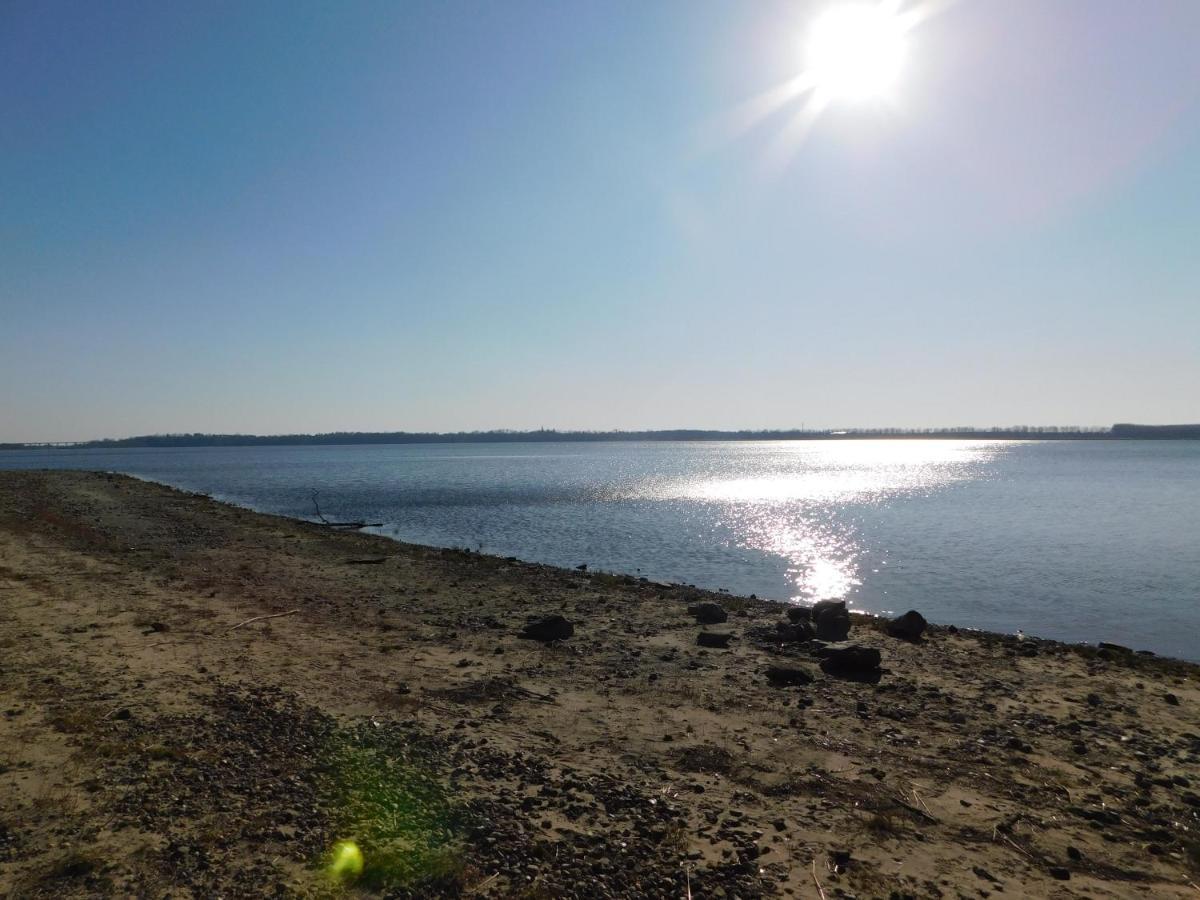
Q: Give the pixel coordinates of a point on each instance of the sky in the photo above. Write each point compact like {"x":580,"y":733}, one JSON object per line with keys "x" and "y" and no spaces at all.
{"x":297,"y":217}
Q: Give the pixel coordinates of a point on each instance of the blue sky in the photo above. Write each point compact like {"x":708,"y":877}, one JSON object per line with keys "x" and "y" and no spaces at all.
{"x":270,"y":217}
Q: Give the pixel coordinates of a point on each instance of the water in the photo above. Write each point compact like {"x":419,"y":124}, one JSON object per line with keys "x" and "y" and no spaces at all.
{"x":1081,"y":541}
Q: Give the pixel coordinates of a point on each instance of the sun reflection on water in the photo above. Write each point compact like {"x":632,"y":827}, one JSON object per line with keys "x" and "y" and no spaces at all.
{"x":800,"y":505}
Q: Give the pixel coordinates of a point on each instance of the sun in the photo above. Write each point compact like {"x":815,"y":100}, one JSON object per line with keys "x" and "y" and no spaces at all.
{"x":856,"y":51}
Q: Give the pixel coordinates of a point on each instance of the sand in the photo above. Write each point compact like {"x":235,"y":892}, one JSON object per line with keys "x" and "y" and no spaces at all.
{"x":148,"y":747}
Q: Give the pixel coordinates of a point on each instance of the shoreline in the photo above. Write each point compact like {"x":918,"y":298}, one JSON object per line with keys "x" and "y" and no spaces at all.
{"x":717,"y":593}
{"x":139,"y":622}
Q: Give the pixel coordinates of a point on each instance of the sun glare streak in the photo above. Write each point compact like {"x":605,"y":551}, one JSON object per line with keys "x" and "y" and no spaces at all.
{"x":852,"y":52}
{"x":791,"y":138}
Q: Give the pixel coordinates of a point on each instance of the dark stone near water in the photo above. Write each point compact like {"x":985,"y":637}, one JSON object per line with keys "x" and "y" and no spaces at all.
{"x":582,"y":567}
{"x":832,"y":620}
{"x":782,"y":676}
{"x":708,"y":613}
{"x":850,"y":660}
{"x":794,"y":634}
{"x":798,"y":614}
{"x":907,"y":627}
{"x":551,"y":628}
{"x":1117,"y":648}
{"x":713,"y":639}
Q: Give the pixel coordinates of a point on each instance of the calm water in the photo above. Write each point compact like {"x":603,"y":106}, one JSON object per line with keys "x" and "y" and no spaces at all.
{"x":1080,"y":541}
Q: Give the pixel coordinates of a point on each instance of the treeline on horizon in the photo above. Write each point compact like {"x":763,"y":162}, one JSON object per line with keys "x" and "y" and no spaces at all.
{"x":1016,"y":432}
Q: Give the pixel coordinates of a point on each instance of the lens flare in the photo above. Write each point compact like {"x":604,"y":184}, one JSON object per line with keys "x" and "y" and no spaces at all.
{"x":345,"y":861}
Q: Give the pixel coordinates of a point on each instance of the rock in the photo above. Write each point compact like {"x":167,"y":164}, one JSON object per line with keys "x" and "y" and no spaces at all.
{"x":832,"y":620}
{"x":1118,"y":648}
{"x":840,"y":860}
{"x":713,"y":639}
{"x":551,"y":628}
{"x":582,"y":567}
{"x":984,"y":874}
{"x":782,"y":676}
{"x":907,"y":627}
{"x":1171,"y":699}
{"x":1073,"y":853}
{"x":1060,"y":873}
{"x":789,"y":633}
{"x":849,"y":659}
{"x":799,"y":614}
{"x":708,"y":613}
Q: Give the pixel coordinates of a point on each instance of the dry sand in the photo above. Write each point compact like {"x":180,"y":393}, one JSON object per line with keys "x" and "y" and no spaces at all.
{"x":150,"y":748}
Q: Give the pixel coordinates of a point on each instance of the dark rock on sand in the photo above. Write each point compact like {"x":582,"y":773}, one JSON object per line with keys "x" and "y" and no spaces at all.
{"x":798,"y":614}
{"x":832,"y":620}
{"x":551,"y":628}
{"x":782,"y":676}
{"x":849,"y":660}
{"x":713,"y":639}
{"x":908,"y":627}
{"x":1116,"y":648}
{"x":708,"y":613}
{"x":789,"y":633}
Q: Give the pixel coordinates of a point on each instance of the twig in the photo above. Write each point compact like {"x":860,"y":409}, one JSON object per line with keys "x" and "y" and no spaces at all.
{"x":290,"y":612}
{"x":328,"y":524}
{"x":479,"y":887}
{"x":318,"y":508}
{"x":820,"y":890}
{"x":922,"y":802}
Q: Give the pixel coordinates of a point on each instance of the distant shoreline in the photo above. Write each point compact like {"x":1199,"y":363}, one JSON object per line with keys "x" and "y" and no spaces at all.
{"x":1119,"y":432}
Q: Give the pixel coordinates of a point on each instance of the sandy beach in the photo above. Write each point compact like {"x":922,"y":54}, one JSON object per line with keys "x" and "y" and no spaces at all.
{"x":200,"y":701}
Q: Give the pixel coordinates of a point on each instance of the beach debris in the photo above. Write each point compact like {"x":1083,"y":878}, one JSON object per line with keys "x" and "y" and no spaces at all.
{"x":840,"y":860}
{"x":798,"y":614}
{"x":550,"y":628}
{"x":786,"y":676}
{"x":352,"y":525}
{"x":370,"y":561}
{"x":290,"y":612}
{"x":907,"y":627}
{"x":714,"y":639}
{"x":832,"y":620}
{"x":708,"y":613}
{"x":849,"y":659}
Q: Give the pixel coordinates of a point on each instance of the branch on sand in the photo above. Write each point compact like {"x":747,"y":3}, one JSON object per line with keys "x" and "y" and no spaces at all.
{"x":328,"y":524}
{"x":290,"y":612}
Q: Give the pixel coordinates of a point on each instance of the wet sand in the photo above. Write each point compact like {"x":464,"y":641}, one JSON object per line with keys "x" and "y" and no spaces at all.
{"x":155,"y":742}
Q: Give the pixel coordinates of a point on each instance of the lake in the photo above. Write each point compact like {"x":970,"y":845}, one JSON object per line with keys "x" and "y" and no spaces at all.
{"x":1075,"y":540}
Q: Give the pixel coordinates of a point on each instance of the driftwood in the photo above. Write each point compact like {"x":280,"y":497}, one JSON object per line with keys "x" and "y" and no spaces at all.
{"x":324,"y":521}
{"x":290,"y":612}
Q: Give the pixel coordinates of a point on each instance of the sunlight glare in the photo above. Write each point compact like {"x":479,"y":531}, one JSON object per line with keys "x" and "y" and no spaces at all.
{"x":855,"y":51}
